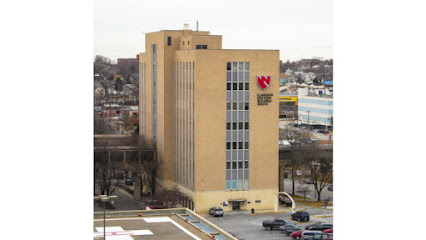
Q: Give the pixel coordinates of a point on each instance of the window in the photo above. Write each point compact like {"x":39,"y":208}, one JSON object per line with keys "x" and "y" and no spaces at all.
{"x":234,"y":86}
{"x":241,"y":86}
{"x":240,"y":125}
{"x":234,"y":145}
{"x":188,"y":42}
{"x":228,"y":106}
{"x":240,"y":145}
{"x":246,"y":106}
{"x":240,"y":165}
{"x":201,"y":46}
{"x":234,"y":165}
{"x":246,"y":164}
{"x":228,"y":126}
{"x":234,"y":126}
{"x":228,"y":165}
{"x":228,"y":86}
{"x":234,"y":106}
{"x":247,"y":86}
{"x":169,"y":41}
{"x":228,"y":145}
{"x":247,"y":66}
{"x":228,"y":66}
{"x":246,"y":125}
{"x":183,"y":43}
{"x":241,"y":106}
{"x":246,"y":145}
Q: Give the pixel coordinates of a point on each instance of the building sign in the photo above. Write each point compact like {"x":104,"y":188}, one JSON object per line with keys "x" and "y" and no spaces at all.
{"x":263,"y":81}
{"x":264,"y":98}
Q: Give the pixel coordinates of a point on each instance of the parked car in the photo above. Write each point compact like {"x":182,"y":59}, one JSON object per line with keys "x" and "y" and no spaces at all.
{"x":321,"y":236}
{"x":330,"y":187}
{"x":289,"y":229}
{"x":300,"y":216}
{"x":328,"y":230}
{"x":319,"y":226}
{"x":308,"y":234}
{"x":297,"y":234}
{"x":285,"y":200}
{"x":128,"y":182}
{"x":274,"y":223}
{"x":216,"y":212}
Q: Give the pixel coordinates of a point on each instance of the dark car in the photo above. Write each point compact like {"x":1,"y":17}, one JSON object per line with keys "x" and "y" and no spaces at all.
{"x":319,"y":226}
{"x":289,"y":229}
{"x":330,"y":187}
{"x":128,"y":182}
{"x":216,"y":211}
{"x":274,"y":223}
{"x":300,"y":216}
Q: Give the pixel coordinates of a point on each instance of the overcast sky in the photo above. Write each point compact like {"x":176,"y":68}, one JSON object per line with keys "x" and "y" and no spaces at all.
{"x":298,"y":28}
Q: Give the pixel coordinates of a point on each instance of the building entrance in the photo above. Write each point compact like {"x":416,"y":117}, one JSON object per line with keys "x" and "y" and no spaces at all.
{"x":235,"y":205}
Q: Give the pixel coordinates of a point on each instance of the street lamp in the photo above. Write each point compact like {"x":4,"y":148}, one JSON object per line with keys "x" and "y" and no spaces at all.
{"x":104,"y":199}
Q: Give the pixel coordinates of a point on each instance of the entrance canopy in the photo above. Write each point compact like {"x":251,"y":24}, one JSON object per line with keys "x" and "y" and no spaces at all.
{"x":238,"y":200}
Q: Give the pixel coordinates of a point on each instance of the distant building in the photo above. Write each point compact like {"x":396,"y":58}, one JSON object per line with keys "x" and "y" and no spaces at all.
{"x":309,"y":63}
{"x":315,"y":107}
{"x":130,"y":61}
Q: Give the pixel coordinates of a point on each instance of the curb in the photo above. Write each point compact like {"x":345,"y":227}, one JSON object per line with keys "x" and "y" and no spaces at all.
{"x":298,"y":210}
{"x":311,"y":205}
{"x":323,"y":216}
{"x":269,"y":212}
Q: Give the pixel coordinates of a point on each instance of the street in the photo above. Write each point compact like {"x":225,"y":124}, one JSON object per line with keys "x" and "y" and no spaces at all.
{"x":123,"y":202}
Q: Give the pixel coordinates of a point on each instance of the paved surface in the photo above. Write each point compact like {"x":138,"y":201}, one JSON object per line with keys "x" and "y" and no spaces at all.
{"x":249,"y":227}
{"x":124,"y":201}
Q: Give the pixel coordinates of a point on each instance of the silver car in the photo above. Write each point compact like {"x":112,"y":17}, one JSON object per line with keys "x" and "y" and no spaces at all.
{"x":307,"y":235}
{"x":216,"y":211}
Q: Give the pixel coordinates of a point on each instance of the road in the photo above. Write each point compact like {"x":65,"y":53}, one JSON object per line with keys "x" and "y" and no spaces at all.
{"x":121,"y":203}
{"x":318,"y":136}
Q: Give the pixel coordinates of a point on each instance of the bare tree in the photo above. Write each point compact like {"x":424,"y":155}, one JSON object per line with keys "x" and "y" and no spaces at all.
{"x":299,"y":78}
{"x":107,"y":172}
{"x":304,"y":190}
{"x":170,"y":198}
{"x":320,"y":167}
{"x":297,"y":138}
{"x":103,"y":126}
{"x":147,"y":162}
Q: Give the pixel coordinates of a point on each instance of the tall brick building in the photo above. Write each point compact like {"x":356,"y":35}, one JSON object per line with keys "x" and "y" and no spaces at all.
{"x":215,"y":125}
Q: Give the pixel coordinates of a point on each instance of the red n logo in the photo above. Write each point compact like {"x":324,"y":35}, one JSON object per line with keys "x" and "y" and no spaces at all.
{"x":263,"y":81}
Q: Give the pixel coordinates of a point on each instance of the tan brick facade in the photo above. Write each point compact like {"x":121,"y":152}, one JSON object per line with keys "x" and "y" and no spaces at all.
{"x":206,"y":104}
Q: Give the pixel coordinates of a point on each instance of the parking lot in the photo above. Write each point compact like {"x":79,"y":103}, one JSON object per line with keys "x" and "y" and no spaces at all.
{"x":249,"y":227}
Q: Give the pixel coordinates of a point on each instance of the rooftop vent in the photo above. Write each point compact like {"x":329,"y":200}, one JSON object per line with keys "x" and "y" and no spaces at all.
{"x":185,"y":26}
